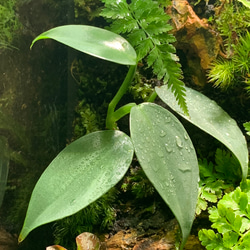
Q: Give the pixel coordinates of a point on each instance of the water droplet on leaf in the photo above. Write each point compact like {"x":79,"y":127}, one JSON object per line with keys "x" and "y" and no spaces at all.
{"x":160,"y":154}
{"x":179,"y":142}
{"x":162,"y":133}
{"x":185,"y":136}
{"x":155,"y":167}
{"x":168,"y":148}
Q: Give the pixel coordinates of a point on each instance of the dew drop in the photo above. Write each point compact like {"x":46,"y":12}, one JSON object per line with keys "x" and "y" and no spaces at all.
{"x":184,"y":169}
{"x":167,"y":119}
{"x":179,"y":141}
{"x":160,"y":154}
{"x":185,"y":136}
{"x":155,"y":167}
{"x":162,"y":133}
{"x":162,"y":186}
{"x":168,"y":148}
{"x":72,"y":202}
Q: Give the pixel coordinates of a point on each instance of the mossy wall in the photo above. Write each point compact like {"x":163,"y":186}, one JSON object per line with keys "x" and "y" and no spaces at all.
{"x":33,"y":100}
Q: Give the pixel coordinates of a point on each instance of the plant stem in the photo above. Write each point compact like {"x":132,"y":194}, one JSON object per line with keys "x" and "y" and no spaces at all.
{"x":122,"y":111}
{"x":152,"y":97}
{"x":111,"y":117}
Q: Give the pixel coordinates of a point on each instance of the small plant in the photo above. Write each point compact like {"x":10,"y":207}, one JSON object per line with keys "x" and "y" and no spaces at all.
{"x":247,"y":127}
{"x":235,"y":70}
{"x":138,"y":184}
{"x":98,"y":216}
{"x":217,"y":179}
{"x":93,"y":164}
{"x":232,"y":21}
{"x":146,"y":27}
{"x":230,"y":221}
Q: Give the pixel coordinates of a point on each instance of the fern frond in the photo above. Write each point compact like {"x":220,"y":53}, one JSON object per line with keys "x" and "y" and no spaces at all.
{"x":125,"y":25}
{"x":116,"y":10}
{"x":146,"y":27}
{"x":144,"y":47}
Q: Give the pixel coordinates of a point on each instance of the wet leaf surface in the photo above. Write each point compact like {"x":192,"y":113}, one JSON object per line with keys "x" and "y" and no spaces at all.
{"x":168,"y":158}
{"x":208,"y":116}
{"x":79,"y":175}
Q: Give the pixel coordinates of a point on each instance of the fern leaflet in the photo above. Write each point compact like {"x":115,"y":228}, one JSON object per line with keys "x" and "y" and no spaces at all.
{"x":146,"y":27}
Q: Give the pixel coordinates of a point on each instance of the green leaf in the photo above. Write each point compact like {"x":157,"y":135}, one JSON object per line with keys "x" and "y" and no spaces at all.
{"x":211,"y":240}
{"x":227,"y":166}
{"x":245,"y":240}
{"x":247,"y":127}
{"x":168,"y":158}
{"x":230,"y":239}
{"x":147,"y":27}
{"x":245,"y":2}
{"x":243,"y":201}
{"x":94,"y":41}
{"x":208,"y":116}
{"x":79,"y":175}
{"x":209,"y":196}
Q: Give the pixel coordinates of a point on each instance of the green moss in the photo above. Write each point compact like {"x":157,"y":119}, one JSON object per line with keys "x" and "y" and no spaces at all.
{"x":87,"y":119}
{"x":235,"y":70}
{"x":97,"y":217}
{"x":8,"y":23}
{"x":87,"y":9}
{"x":232,"y":21}
{"x":138,"y":184}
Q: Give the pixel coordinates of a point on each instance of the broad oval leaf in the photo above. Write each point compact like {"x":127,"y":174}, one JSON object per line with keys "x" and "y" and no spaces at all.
{"x":168,"y":158}
{"x":79,"y":175}
{"x":245,"y":2}
{"x":208,"y":116}
{"x":94,"y":41}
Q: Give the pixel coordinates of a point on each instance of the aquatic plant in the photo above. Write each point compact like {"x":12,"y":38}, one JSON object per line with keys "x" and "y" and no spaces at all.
{"x":91,"y":165}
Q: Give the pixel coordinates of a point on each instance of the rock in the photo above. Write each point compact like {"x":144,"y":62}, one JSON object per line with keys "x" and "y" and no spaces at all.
{"x":7,"y":241}
{"x":157,"y":239}
{"x":197,"y":44}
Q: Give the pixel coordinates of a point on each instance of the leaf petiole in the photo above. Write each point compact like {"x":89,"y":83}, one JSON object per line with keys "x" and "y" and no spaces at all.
{"x":111,"y":118}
